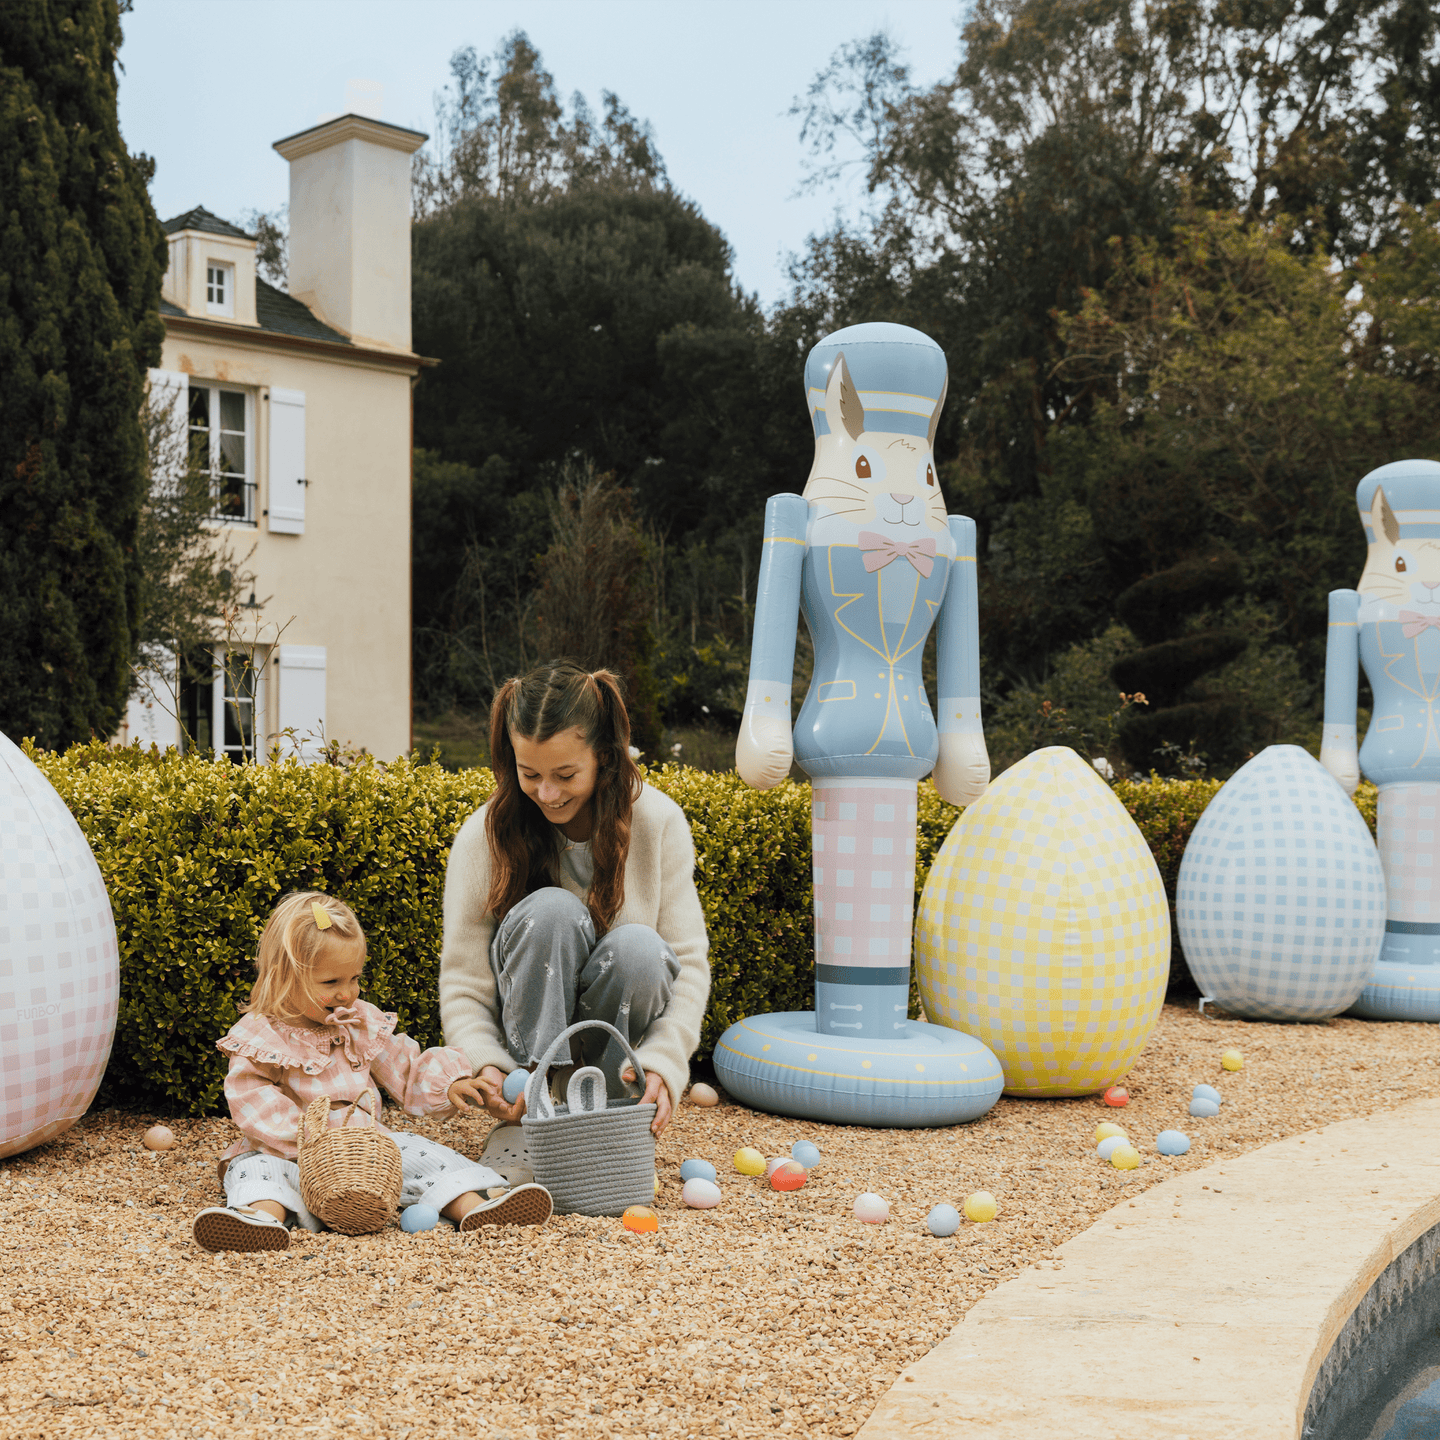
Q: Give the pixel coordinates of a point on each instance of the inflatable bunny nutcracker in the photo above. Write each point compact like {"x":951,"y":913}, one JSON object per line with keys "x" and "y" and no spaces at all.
{"x":1391,"y":624}
{"x":870,"y":558}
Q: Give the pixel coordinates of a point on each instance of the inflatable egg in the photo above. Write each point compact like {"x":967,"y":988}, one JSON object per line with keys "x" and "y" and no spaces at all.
{"x":1107,"y":1128}
{"x":158,"y":1137}
{"x":1204,"y":1109}
{"x":1043,"y":929}
{"x":980,"y":1207}
{"x":59,"y":962}
{"x":1172,"y":1142}
{"x":749,"y":1162}
{"x":1109,"y":1145}
{"x":1125,"y":1157}
{"x":789,"y":1176}
{"x":1281,"y":898}
{"x":803,"y":1152}
{"x":697,"y":1170}
{"x":703,"y":1094}
{"x":1232,"y":1060}
{"x":1116,"y":1095}
{"x":514,"y":1085}
{"x":943,"y":1220}
{"x":700,"y":1194}
{"x":415,"y":1218}
{"x":872,"y":1209}
{"x":1206,"y":1092}
{"x":641,"y":1219}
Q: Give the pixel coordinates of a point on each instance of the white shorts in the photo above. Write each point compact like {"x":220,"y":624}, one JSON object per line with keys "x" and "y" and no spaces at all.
{"x":431,"y":1172}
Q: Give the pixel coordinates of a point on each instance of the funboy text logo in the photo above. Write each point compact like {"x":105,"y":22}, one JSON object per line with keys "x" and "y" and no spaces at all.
{"x":29,"y":1013}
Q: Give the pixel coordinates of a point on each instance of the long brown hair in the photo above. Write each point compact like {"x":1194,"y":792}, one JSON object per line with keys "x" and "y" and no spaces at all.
{"x":524,"y":845}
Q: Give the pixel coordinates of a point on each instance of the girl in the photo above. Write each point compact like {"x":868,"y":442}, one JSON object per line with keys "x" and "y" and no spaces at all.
{"x":571,"y":896}
{"x":307,"y":1033}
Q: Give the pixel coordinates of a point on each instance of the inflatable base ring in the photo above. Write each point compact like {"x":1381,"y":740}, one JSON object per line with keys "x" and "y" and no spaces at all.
{"x":927,"y":1075}
{"x":1400,"y":992}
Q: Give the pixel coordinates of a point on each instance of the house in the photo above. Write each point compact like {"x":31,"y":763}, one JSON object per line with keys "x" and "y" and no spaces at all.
{"x":300,"y":404}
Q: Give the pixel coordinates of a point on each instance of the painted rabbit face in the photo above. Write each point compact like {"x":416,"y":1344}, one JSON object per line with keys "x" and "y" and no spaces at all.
{"x":874,"y":480}
{"x":1400,"y":573}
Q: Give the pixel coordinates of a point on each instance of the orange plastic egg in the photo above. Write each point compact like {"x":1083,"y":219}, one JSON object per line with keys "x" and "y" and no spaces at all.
{"x":641,"y":1219}
{"x":1117,"y":1095}
{"x":789,"y":1176}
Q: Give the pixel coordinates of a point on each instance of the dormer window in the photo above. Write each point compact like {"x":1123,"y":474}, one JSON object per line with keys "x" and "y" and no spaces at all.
{"x":219,"y":288}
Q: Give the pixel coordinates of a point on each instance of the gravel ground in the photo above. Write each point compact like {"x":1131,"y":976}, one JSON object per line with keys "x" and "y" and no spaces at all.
{"x":773,"y":1313}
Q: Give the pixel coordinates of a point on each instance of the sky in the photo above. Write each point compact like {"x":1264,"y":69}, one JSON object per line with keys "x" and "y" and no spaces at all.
{"x":209,"y":85}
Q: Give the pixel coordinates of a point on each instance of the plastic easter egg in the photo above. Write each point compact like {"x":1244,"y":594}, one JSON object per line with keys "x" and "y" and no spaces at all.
{"x":1233,"y":1059}
{"x":1206,"y":1092}
{"x":703,"y":1094}
{"x":700,"y":1193}
{"x":1204,"y":1109}
{"x":697,"y":1170}
{"x":657,"y":1187}
{"x":803,"y":1152}
{"x":749,"y":1162}
{"x":1105,"y":1128}
{"x":789,"y":1176}
{"x":980,"y":1207}
{"x":1109,"y":1145}
{"x":1172,"y":1142}
{"x":1281,"y":898}
{"x":872,"y":1209}
{"x":514,"y":1085}
{"x":1063,"y":1009}
{"x":415,"y":1218}
{"x":1125,"y":1157}
{"x":159,"y":1137}
{"x":641,"y":1219}
{"x":775,"y":1162}
{"x":943,"y":1220}
{"x":1116,"y":1095}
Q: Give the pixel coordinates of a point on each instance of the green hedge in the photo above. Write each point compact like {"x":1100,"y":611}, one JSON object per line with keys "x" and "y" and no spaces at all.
{"x":196,"y":852}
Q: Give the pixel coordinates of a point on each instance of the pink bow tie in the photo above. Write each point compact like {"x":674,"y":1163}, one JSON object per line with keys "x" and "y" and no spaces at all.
{"x":1413,"y":623}
{"x":880,"y":551}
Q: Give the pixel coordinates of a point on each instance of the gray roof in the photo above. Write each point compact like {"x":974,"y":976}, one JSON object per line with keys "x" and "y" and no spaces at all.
{"x":201,"y":219}
{"x":281,"y":314}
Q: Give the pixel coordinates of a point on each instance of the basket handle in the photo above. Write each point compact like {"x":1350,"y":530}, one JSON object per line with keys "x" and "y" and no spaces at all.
{"x":317,"y":1114}
{"x":537,"y":1088}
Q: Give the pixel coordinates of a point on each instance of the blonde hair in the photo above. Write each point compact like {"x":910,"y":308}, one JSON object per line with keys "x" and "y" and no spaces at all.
{"x":291,"y":946}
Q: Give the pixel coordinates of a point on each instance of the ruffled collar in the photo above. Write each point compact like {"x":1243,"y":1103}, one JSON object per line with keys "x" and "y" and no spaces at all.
{"x":358,"y":1031}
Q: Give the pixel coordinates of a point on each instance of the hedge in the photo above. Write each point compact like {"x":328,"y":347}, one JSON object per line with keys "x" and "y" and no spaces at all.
{"x":196,"y":852}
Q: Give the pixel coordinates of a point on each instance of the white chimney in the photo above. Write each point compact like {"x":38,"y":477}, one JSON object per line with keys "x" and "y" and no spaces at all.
{"x":349,"y":255}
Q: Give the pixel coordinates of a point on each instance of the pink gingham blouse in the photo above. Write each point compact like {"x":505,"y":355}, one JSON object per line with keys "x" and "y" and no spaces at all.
{"x":276,"y":1070}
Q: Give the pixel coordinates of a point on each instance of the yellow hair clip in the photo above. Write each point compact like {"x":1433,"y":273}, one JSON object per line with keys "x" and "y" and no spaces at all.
{"x":321,"y":914}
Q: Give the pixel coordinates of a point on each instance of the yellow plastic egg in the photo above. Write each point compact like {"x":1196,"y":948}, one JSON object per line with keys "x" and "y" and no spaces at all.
{"x":1232,"y":1060}
{"x":1125,"y":1157}
{"x":980,"y":1207}
{"x":1105,"y":1129}
{"x":749,"y":1162}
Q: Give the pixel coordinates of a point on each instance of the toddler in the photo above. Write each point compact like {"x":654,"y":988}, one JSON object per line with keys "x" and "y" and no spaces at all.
{"x":307,"y":1033}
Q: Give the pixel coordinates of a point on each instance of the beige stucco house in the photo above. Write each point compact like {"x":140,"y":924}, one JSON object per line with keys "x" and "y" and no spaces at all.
{"x":302,"y":404}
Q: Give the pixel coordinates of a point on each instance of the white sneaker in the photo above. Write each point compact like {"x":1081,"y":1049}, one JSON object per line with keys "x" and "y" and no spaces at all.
{"x":237,"y":1227}
{"x":506,"y":1155}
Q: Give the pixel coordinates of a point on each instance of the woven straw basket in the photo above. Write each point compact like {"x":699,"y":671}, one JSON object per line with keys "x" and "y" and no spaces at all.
{"x":349,"y":1174}
{"x":596,"y":1162}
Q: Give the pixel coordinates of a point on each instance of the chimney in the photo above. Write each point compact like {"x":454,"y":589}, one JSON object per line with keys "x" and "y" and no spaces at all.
{"x":350,"y":226}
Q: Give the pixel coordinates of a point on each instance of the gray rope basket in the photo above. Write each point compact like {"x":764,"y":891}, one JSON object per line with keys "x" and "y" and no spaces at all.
{"x":593,"y":1162}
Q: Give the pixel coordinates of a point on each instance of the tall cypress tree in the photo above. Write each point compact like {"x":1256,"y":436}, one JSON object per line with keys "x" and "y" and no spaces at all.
{"x":81,"y":260}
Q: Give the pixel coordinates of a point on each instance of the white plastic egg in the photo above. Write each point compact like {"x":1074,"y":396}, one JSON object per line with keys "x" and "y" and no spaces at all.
{"x":700,"y":1194}
{"x":872,"y":1209}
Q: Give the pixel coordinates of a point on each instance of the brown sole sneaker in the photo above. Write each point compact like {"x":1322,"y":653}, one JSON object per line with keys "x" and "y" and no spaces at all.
{"x":524,"y":1205}
{"x":223,"y":1229}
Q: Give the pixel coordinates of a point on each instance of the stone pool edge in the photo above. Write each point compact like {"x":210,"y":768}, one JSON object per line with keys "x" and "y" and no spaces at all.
{"x":1201,"y":1309}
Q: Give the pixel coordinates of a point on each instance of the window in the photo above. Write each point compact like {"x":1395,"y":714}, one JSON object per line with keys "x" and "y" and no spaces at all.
{"x":219,"y":288}
{"x":220,"y":447}
{"x":221,"y":694}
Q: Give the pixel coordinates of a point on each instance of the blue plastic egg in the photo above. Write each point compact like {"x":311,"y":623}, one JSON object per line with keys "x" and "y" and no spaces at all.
{"x":1204,"y":1108}
{"x":1109,"y":1145}
{"x":514,"y":1085}
{"x":943,"y":1220}
{"x":415,"y":1218}
{"x":802,"y":1152}
{"x":1207,"y":1092}
{"x":697,"y":1170}
{"x":1172,"y":1142}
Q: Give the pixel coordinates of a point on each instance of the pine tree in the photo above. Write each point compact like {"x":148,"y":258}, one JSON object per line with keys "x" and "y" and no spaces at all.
{"x":81,"y":260}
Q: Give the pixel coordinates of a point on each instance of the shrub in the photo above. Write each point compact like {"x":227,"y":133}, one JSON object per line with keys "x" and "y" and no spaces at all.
{"x":196,"y":852}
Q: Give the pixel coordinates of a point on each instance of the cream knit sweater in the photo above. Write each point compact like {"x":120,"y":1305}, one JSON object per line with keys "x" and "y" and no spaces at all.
{"x":659,"y":892}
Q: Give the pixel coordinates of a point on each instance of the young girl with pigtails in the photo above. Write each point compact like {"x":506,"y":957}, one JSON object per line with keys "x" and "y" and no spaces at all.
{"x":306,"y":1033}
{"x":571,"y":896}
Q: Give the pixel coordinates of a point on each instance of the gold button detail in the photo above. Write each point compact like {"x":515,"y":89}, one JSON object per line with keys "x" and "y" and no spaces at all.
{"x":764,"y":1047}
{"x":877,"y":694}
{"x":767,"y":699}
{"x":864,"y":1064}
{"x":921,"y":1069}
{"x":812,"y":1057}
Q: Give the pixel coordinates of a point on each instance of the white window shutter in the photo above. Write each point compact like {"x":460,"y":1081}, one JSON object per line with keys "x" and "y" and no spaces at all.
{"x":302,"y":699}
{"x":169,"y":400}
{"x":287,"y":462}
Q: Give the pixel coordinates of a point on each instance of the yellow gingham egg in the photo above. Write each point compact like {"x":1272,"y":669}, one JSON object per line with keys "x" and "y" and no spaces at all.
{"x":1043,"y":929}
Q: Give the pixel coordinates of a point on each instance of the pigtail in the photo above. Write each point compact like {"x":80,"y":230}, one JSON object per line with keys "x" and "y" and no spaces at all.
{"x":616,"y":791}
{"x":523,"y":845}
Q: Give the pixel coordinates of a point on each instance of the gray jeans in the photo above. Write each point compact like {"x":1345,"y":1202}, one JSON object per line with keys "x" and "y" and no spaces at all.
{"x":551,"y":973}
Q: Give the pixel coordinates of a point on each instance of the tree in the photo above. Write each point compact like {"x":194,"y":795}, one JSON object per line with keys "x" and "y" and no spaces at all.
{"x":81,"y":261}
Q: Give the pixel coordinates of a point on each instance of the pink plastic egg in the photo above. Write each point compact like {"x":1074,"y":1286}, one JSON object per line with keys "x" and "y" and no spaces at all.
{"x":159,"y":1137}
